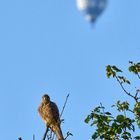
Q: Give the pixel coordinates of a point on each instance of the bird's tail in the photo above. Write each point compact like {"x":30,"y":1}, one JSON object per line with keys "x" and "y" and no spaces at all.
{"x":58,"y":133}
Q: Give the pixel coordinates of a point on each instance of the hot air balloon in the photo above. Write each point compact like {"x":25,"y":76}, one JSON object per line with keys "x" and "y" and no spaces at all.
{"x":91,"y":8}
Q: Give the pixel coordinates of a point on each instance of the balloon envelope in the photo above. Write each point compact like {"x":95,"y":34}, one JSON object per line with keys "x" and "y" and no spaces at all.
{"x":91,"y":8}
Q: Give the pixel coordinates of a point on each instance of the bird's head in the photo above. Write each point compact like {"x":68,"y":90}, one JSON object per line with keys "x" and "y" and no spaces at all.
{"x":46,"y":98}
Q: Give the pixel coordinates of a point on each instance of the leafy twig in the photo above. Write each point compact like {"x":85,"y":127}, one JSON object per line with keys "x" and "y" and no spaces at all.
{"x":128,"y":93}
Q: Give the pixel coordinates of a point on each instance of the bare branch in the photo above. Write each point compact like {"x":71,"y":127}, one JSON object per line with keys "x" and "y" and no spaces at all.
{"x":68,"y":134}
{"x":64,"y":105}
{"x":130,"y":111}
{"x":45,"y":134}
{"x":137,"y":92}
{"x":33,"y":137}
{"x":138,"y":75}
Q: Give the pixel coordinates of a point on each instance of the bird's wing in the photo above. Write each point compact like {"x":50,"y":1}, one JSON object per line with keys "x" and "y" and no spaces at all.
{"x":55,"y":111}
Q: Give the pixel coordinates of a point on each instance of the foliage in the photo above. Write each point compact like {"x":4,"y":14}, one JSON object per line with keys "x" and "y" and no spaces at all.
{"x":109,"y":127}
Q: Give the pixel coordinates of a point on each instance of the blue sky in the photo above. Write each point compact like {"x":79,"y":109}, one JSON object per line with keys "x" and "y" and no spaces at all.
{"x":47,"y":47}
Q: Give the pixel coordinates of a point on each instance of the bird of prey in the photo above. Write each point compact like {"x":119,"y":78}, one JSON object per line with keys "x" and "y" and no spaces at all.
{"x":49,"y":112}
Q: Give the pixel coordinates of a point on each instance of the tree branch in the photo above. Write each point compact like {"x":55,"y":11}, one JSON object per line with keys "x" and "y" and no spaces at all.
{"x":33,"y":137}
{"x":64,"y":105}
{"x":128,"y":93}
{"x":45,"y":134}
{"x":138,"y":75}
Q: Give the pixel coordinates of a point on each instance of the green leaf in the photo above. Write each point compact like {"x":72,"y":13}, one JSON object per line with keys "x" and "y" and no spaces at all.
{"x":124,"y":80}
{"x":110,"y":72}
{"x":134,"y":68}
{"x":108,"y":113}
{"x":131,"y":62}
{"x":116,"y":69}
{"x":138,"y":122}
{"x":119,"y":130}
{"x":137,"y":137}
{"x":94,"y":122}
{"x":128,"y":82}
{"x":127,"y":133}
{"x":95,"y":136}
{"x":88,"y":119}
{"x":125,"y":137}
{"x":120,"y":118}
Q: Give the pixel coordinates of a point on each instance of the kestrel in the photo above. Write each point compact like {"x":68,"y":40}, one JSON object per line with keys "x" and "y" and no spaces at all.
{"x":49,"y":112}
